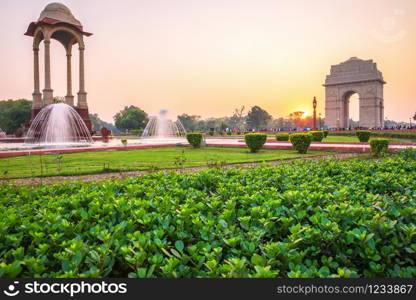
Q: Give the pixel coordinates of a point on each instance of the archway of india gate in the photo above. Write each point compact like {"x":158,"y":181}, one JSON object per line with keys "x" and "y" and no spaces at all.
{"x":350,"y":77}
{"x":57,"y":22}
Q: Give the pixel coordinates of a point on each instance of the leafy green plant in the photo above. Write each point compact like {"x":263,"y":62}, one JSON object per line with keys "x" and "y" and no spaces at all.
{"x":5,"y":174}
{"x":407,"y":153}
{"x":124,"y":142}
{"x":58,"y":159}
{"x":317,"y":135}
{"x":379,"y":146}
{"x":195,"y":139}
{"x":363,"y":135}
{"x":327,"y":218}
{"x":229,"y":133}
{"x":255,"y":141}
{"x":180,"y":159}
{"x":301,"y":141}
{"x":326,"y":132}
{"x":106,"y":167}
{"x":282,"y":136}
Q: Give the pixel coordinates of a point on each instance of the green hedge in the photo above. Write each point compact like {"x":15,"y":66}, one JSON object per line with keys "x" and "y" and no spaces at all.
{"x":301,"y":219}
{"x":194,"y":138}
{"x":255,"y":141}
{"x":317,"y":135}
{"x":282,"y":136}
{"x":326,"y":132}
{"x":301,"y":141}
{"x":379,"y":146}
{"x":386,"y":134}
{"x":363,"y":135}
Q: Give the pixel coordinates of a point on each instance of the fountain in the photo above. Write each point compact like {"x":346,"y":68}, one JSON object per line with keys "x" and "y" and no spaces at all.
{"x":58,"y":125}
{"x":163,"y":128}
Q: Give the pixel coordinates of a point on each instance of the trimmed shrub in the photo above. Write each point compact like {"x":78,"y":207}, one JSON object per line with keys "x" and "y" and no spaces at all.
{"x":363,"y":135}
{"x":317,"y":135}
{"x":379,"y":146}
{"x":124,"y":142}
{"x":194,"y":138}
{"x":326,"y":133}
{"x":301,"y":141}
{"x":282,"y":136}
{"x":255,"y":141}
{"x":211,"y":133}
{"x":229,"y":133}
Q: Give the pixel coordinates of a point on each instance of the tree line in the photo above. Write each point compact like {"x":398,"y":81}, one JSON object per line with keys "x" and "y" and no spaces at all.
{"x":15,"y":113}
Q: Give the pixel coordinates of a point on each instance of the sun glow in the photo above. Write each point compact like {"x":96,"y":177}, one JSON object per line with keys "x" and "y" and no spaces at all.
{"x":306,"y":114}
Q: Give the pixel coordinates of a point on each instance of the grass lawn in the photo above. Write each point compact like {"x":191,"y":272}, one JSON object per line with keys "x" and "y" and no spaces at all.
{"x":144,"y":159}
{"x":333,"y":138}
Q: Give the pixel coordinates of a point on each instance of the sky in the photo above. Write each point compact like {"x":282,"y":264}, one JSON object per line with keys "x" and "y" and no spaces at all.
{"x":208,"y":58}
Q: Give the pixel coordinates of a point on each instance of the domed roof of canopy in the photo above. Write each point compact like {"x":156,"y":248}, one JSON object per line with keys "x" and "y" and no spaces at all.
{"x":55,"y":13}
{"x":59,"y":12}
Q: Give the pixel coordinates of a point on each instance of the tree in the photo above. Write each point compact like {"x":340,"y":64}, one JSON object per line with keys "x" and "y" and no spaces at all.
{"x":237,"y":119}
{"x":190,"y":123}
{"x":296,"y":117}
{"x":14,"y":114}
{"x":131,"y":117}
{"x":258,"y":117}
{"x":97,"y":123}
{"x":58,"y":99}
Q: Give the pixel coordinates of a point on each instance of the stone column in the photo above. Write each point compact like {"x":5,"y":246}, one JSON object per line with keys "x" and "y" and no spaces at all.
{"x":82,"y":95}
{"x":47,"y":92}
{"x":37,"y":96}
{"x":69,"y":98}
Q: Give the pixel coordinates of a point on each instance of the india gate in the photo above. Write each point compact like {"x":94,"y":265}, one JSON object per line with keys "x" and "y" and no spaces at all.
{"x":57,"y":22}
{"x":350,"y":77}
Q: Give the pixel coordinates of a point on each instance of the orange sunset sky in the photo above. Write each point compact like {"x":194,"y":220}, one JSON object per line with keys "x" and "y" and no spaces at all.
{"x":210,"y":57}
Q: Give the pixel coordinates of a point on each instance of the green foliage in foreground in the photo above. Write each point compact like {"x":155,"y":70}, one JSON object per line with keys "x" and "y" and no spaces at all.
{"x":300,"y":219}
